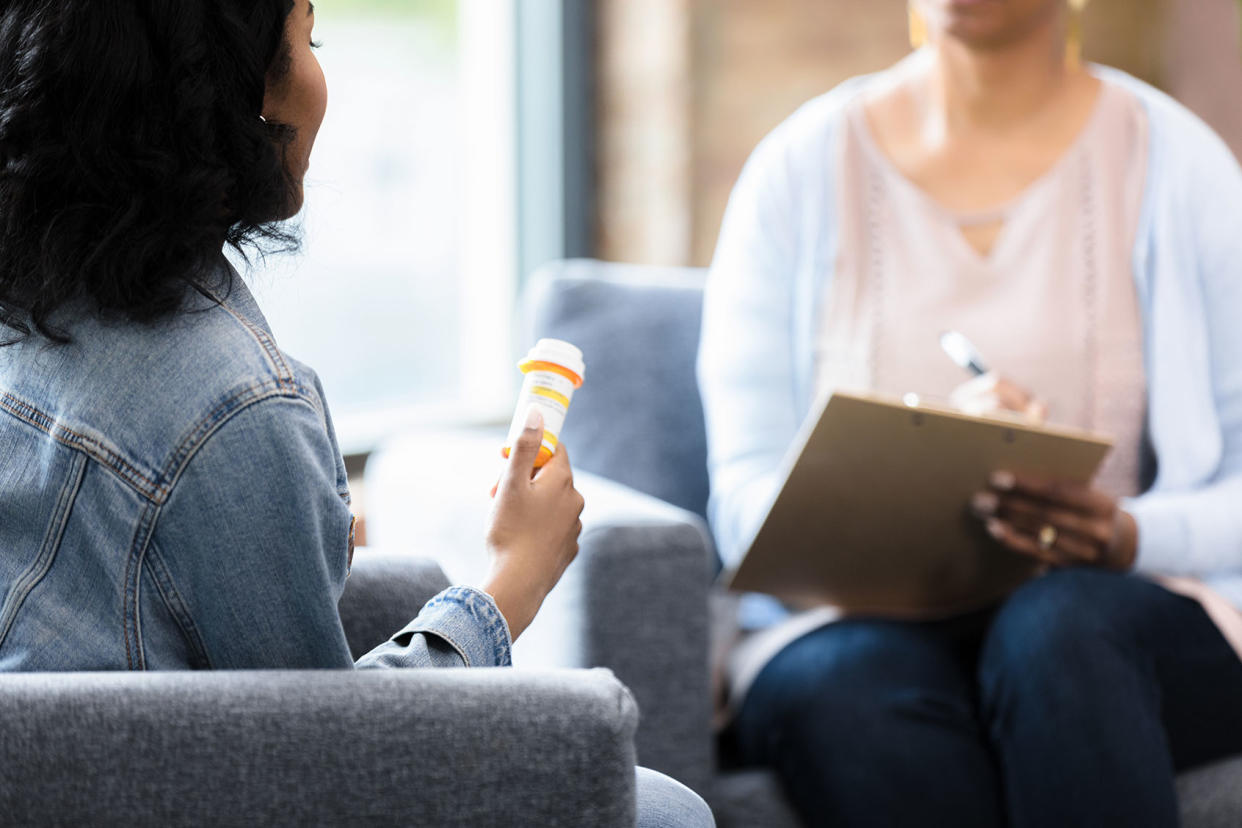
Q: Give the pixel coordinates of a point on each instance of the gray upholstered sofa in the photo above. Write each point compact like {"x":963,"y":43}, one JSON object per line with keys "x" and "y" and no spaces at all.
{"x":637,"y":599}
{"x":418,"y":747}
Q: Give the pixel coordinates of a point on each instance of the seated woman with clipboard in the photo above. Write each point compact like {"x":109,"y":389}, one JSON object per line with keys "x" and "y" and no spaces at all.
{"x":1082,"y":229}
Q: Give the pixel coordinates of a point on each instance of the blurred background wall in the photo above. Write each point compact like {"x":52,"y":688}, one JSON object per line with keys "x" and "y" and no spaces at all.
{"x":686,"y":88}
{"x":471,"y":141}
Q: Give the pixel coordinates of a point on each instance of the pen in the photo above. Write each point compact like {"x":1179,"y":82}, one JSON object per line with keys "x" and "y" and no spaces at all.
{"x":963,"y":352}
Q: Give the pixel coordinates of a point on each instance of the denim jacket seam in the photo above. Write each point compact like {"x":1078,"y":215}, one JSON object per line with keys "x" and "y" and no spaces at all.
{"x":143,"y":483}
{"x":204,"y":429}
{"x":199,"y":436}
{"x":445,"y":637}
{"x":166,"y":586}
{"x":284,"y":374}
{"x":154,"y":487}
{"x":491,"y":620}
{"x":135,"y":653}
{"x":498,"y":628}
{"x":42,"y":564}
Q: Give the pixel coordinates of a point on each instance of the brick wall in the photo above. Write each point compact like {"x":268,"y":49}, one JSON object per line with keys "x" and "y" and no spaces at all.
{"x":645,"y":147}
{"x":755,"y":62}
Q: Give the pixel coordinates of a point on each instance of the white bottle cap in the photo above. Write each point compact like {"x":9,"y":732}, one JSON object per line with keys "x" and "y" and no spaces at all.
{"x":559,"y":352}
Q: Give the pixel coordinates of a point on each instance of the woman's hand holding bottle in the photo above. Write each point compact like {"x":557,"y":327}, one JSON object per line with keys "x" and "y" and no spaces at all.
{"x":533,"y":528}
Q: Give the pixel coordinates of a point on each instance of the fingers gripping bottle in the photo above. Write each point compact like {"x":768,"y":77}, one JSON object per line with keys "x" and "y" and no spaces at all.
{"x":554,"y":369}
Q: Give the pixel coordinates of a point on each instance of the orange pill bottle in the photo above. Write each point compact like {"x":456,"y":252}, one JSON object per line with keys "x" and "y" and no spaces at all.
{"x":554,"y":369}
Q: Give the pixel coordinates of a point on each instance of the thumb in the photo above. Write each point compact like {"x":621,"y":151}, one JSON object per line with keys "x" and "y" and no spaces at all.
{"x":525,"y":449}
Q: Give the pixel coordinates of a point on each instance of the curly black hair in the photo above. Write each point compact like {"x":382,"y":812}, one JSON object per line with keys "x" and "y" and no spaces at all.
{"x":132,"y":149}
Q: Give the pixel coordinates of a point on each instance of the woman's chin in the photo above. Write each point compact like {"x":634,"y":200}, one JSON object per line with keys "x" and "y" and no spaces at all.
{"x":981,"y":34}
{"x":297,"y":197}
{"x":991,"y":24}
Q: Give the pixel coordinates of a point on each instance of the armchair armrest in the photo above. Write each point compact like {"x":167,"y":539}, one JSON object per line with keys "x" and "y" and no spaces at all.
{"x":416,"y":747}
{"x":635,"y":600}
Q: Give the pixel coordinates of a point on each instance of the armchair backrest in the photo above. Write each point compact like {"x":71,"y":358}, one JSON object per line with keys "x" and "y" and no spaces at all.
{"x":638,"y":418}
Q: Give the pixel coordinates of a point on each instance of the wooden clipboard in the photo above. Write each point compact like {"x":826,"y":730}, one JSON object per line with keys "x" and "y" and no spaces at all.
{"x":873,"y":515}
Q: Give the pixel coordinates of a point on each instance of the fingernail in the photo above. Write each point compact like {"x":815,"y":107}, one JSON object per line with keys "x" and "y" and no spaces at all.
{"x":534,"y":419}
{"x":1003,"y":480}
{"x":995,"y":529}
{"x":984,"y":503}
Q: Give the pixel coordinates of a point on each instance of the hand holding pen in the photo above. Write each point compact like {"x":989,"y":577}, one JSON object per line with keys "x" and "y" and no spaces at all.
{"x":987,"y":392}
{"x":1059,"y":523}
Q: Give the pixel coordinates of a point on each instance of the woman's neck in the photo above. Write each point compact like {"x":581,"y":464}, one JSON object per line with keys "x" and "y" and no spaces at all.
{"x":997,"y":89}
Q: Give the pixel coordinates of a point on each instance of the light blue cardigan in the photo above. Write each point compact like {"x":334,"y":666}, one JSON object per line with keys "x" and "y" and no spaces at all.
{"x":775,"y":259}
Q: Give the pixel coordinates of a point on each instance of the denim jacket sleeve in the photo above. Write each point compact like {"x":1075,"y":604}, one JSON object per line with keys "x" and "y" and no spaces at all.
{"x":254,"y":543}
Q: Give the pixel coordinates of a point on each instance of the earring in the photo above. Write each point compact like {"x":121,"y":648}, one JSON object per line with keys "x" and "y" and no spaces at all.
{"x":1073,"y":35}
{"x":918,"y":26}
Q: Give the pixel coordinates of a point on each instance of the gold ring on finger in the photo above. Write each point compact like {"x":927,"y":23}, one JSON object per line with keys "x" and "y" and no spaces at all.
{"x":1047,"y":537}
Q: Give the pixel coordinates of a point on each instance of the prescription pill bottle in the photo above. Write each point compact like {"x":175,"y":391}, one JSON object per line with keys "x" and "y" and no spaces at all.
{"x":554,"y":370}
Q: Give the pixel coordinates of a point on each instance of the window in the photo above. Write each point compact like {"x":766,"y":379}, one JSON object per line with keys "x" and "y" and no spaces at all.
{"x":402,"y":296}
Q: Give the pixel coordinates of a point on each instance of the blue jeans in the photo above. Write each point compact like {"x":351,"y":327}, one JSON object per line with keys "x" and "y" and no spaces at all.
{"x":1075,"y":702}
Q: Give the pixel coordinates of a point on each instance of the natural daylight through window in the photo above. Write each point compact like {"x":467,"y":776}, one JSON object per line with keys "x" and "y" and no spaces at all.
{"x":402,"y":294}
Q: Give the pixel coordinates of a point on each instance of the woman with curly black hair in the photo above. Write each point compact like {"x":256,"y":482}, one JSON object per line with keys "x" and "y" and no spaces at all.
{"x":131,"y":150}
{"x":171,"y":492}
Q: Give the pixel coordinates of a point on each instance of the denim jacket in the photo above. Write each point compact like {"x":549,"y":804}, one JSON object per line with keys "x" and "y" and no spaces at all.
{"x":172,"y":496}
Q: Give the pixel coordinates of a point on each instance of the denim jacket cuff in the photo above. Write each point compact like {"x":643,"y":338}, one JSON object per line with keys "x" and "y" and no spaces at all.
{"x":468,"y":620}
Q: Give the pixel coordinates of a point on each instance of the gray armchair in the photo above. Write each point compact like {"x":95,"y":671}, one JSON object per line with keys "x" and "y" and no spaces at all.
{"x":637,"y":599}
{"x":412,"y":747}
{"x":633,"y":599}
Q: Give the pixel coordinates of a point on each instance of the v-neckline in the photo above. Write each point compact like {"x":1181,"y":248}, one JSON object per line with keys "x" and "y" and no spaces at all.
{"x":950,"y":220}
